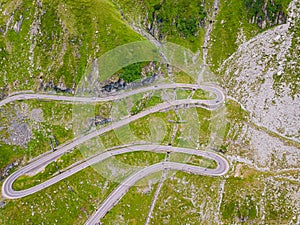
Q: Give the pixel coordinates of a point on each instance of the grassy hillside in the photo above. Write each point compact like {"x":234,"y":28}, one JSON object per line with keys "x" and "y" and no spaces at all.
{"x":181,"y":22}
{"x":236,"y":22}
{"x":266,"y":13}
{"x":231,"y":21}
{"x":55,"y":40}
{"x":44,"y":42}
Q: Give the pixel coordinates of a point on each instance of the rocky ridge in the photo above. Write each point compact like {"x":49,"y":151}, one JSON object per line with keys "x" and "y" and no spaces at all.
{"x":250,"y":78}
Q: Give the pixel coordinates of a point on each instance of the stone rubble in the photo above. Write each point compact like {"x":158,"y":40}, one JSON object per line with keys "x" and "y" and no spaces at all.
{"x":249,"y":75}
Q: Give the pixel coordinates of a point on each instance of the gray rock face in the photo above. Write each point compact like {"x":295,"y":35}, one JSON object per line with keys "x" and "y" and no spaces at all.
{"x":250,"y":79}
{"x":267,"y":152}
{"x":21,"y":121}
{"x":18,"y":24}
{"x":6,"y":170}
{"x":20,"y":134}
{"x":36,"y":115}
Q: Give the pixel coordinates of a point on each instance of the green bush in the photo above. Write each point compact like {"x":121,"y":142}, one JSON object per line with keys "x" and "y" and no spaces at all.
{"x":131,"y":73}
{"x":255,"y":8}
{"x":180,"y":16}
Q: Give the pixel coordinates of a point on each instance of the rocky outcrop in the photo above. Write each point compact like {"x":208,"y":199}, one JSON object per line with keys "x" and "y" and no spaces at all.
{"x":250,"y":77}
{"x":6,"y":171}
{"x":60,"y":87}
{"x":265,"y":13}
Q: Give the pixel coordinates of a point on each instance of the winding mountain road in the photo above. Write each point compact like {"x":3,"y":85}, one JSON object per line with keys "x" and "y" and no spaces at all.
{"x":8,"y":192}
{"x":122,"y":189}
{"x":116,"y":195}
{"x":119,"y":95}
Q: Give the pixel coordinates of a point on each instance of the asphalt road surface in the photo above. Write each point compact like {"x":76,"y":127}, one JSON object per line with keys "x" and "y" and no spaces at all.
{"x":116,"y":195}
{"x":119,"y":95}
{"x":121,"y":190}
{"x":9,"y":193}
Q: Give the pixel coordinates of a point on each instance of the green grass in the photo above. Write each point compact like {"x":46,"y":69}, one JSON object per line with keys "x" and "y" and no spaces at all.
{"x":68,"y":41}
{"x":153,"y":128}
{"x":180,"y":22}
{"x":134,"y":206}
{"x":181,"y":77}
{"x":145,"y":102}
{"x":132,"y":72}
{"x":183,"y":94}
{"x":193,"y":160}
{"x":232,"y":18}
{"x":50,"y":170}
{"x":141,"y":158}
{"x":272,"y":9}
{"x":16,"y":48}
{"x":55,"y":115}
{"x":290,"y":76}
{"x":202,"y":162}
{"x":245,"y":202}
{"x":201,"y":94}
{"x":181,"y":197}
{"x":9,"y":153}
{"x":132,"y":159}
{"x":196,"y":127}
{"x":68,"y":202}
{"x":243,"y":209}
{"x":235,"y":117}
{"x":204,"y":125}
{"x":110,"y":139}
{"x":184,"y":196}
{"x":224,"y":36}
{"x":154,"y":100}
{"x":235,"y":111}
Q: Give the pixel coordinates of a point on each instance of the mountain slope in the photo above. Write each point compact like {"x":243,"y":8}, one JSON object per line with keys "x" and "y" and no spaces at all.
{"x":51,"y":43}
{"x":263,"y":75}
